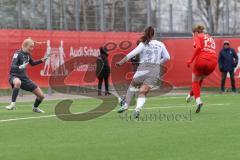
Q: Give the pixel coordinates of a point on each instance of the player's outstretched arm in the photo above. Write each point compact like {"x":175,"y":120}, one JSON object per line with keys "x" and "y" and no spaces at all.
{"x":34,"y":63}
{"x":130,"y":55}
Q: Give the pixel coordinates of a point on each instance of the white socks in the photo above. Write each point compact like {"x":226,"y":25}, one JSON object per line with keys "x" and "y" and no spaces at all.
{"x":140,"y":102}
{"x":198,"y":101}
{"x":129,"y":95}
{"x":13,"y":103}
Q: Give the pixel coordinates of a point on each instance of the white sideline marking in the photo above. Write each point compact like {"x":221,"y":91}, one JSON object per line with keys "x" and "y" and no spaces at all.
{"x":26,"y":118}
{"x":53,"y":115}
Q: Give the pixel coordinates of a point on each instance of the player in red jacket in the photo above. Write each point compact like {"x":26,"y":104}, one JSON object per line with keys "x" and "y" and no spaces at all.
{"x":205,"y":62}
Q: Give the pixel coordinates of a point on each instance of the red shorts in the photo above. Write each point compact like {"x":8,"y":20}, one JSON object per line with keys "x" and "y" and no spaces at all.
{"x":205,"y":64}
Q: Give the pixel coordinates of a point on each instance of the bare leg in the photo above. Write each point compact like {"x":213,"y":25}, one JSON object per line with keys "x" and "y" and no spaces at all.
{"x":196,"y":78}
{"x":38,"y":92}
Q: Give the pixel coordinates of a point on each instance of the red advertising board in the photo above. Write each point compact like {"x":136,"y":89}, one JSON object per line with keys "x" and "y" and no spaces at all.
{"x":64,"y":45}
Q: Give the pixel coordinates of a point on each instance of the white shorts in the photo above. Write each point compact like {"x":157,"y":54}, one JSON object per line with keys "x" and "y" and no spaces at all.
{"x":148,"y":74}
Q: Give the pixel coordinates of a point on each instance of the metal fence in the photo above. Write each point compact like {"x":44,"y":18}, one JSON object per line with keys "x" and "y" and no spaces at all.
{"x":172,"y":16}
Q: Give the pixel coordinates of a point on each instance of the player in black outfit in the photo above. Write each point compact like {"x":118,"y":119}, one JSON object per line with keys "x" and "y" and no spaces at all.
{"x":103,"y":71}
{"x":18,"y":77}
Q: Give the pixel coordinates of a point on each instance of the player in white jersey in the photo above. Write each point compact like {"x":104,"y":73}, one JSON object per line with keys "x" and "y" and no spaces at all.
{"x":152,"y":54}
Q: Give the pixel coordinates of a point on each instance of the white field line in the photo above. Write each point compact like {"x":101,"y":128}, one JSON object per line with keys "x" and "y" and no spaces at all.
{"x":152,"y":98}
{"x":159,"y":97}
{"x":150,"y":108}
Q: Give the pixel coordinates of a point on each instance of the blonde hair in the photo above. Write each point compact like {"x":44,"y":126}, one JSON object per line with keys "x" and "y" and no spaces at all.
{"x":27,"y":42}
{"x":198,"y":28}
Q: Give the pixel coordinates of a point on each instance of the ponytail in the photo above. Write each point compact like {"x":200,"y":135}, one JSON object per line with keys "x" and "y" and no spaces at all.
{"x":148,"y":35}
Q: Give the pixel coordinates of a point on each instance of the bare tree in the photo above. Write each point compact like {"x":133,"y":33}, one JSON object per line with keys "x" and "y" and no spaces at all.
{"x":218,"y":15}
{"x":209,"y":12}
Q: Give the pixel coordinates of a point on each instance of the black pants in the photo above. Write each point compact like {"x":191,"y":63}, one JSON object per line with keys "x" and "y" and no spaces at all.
{"x":100,"y":81}
{"x":224,"y":75}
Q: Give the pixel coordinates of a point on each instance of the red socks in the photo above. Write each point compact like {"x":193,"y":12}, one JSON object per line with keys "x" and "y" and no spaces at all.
{"x":196,"y":87}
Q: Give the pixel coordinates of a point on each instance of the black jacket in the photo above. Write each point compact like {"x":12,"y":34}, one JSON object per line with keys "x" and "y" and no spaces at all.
{"x":19,"y":58}
{"x":103,"y":68}
{"x":227,"y":60}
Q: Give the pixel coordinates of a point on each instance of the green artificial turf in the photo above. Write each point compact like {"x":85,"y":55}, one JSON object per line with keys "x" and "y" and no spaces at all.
{"x":214,"y":134}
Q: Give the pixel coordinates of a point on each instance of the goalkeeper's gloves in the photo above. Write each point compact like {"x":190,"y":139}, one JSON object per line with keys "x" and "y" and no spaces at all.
{"x":23,"y":66}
